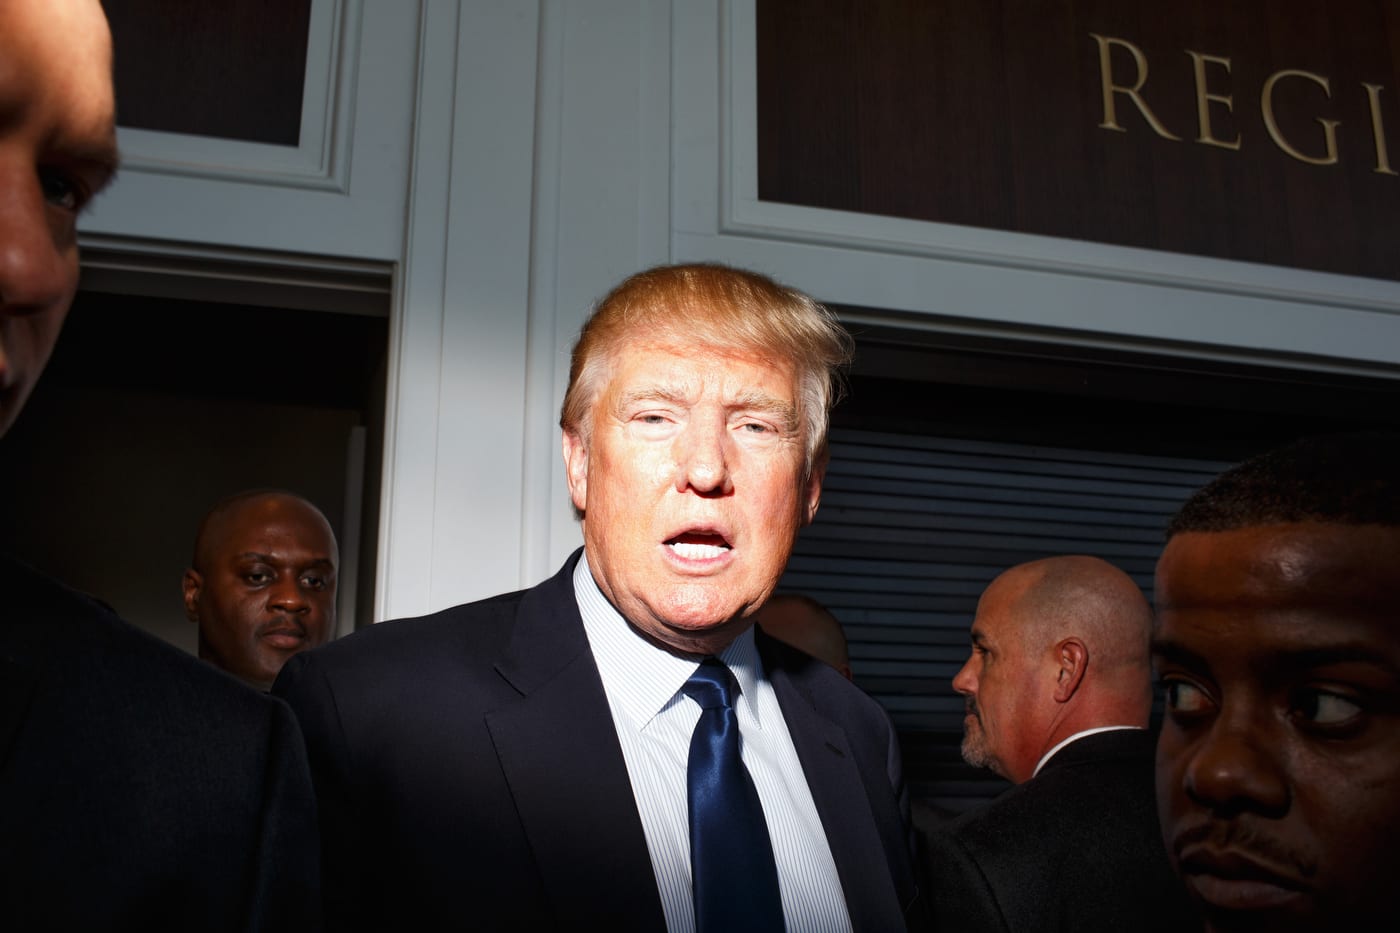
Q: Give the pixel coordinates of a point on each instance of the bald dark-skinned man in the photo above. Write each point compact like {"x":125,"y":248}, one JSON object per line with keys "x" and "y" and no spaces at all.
{"x":1059,"y":697}
{"x":263,"y":582}
{"x":139,"y":789}
{"x":807,"y":625}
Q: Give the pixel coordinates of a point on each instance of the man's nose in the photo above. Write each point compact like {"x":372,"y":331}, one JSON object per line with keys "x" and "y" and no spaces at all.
{"x":965,"y":682}
{"x":36,"y":257}
{"x":1233,"y":768}
{"x":702,"y":460}
{"x":288,"y":596}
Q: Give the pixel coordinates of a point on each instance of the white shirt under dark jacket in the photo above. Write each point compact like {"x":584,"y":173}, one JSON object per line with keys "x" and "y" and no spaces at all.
{"x":654,"y":723}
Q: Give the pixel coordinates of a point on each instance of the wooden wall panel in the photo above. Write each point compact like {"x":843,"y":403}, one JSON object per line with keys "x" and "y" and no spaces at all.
{"x":992,"y":114}
{"x":233,"y":70}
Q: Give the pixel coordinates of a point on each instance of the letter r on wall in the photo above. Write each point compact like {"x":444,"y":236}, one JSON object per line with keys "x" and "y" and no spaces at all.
{"x":1110,"y":89}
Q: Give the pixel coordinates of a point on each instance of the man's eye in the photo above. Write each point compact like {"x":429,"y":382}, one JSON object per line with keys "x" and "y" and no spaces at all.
{"x":1325,"y":708}
{"x":1186,"y":698}
{"x":315,"y":583}
{"x":753,"y":427}
{"x":60,"y":189}
{"x":257,"y":578}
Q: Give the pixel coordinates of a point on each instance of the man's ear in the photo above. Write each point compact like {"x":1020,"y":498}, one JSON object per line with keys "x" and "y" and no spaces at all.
{"x":576,"y":469}
{"x":1073,"y":658}
{"x":192,"y":585}
{"x":813,"y":493}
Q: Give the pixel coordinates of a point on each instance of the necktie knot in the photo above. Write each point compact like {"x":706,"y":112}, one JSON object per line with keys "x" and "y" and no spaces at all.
{"x":712,"y":685}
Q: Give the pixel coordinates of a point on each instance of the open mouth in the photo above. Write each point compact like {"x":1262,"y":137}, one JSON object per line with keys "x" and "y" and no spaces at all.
{"x":699,"y":545}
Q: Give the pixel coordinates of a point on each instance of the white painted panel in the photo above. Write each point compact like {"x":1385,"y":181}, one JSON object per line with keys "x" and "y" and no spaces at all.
{"x":476,"y":540}
{"x":341,"y":193}
{"x":452,"y":494}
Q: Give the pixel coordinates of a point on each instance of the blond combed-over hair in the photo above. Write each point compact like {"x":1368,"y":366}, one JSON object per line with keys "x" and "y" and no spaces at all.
{"x":717,"y":308}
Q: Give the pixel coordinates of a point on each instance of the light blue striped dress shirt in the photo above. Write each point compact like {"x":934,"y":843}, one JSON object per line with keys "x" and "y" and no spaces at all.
{"x":654,"y":722}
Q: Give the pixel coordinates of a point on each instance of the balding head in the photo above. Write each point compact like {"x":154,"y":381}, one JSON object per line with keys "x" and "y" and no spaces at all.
{"x":1060,"y":645}
{"x":807,"y":625}
{"x":262,"y":584}
{"x":1087,"y":598}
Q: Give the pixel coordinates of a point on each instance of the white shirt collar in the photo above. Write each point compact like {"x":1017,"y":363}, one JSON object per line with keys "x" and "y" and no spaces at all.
{"x":641,"y":678}
{"x":1078,"y":735}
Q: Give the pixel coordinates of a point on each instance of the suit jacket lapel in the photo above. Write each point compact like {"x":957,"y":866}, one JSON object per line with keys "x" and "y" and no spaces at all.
{"x":560,"y":754}
{"x":842,"y":803}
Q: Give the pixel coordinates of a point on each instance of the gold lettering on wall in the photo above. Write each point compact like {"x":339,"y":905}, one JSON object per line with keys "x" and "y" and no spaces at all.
{"x":1110,"y":113}
{"x":1373,"y":97}
{"x":1329,"y":127}
{"x":1204,"y":99}
{"x":1212,"y":100}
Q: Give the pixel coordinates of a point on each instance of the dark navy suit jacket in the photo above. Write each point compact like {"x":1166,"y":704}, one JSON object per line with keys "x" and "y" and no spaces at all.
{"x":1075,"y":848}
{"x":140,"y":788}
{"x":469,"y":775}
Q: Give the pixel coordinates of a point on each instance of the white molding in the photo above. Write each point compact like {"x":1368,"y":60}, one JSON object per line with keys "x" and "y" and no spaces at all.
{"x":132,"y":266}
{"x":320,"y":161}
{"x":1181,"y":304}
{"x":452,"y":494}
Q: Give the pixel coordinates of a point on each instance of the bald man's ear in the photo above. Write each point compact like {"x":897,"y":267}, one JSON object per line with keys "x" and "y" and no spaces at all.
{"x":192,"y":585}
{"x":1073,"y":658}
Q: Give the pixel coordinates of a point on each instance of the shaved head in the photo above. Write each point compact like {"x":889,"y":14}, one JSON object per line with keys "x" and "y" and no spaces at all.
{"x":1059,"y":646}
{"x":213,"y":527}
{"x":1079,"y":595}
{"x":262,"y":583}
{"x":807,"y":625}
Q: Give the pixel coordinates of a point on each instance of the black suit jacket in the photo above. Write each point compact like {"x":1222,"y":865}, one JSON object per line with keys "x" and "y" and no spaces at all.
{"x":141,"y":789}
{"x":470,"y":777}
{"x":1077,"y":847}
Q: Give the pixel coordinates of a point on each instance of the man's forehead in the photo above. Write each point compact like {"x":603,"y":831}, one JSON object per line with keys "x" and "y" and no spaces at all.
{"x":277,"y":556}
{"x":677,"y":369}
{"x":1287,"y":564}
{"x":986,"y":630}
{"x":263,"y":516}
{"x":56,"y":68}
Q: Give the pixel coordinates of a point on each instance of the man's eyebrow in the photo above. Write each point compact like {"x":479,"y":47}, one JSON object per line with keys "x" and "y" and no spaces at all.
{"x":1285,"y":659}
{"x":104,"y":160}
{"x":269,"y":559}
{"x":1350,"y":653}
{"x":1174,"y":653}
{"x":100,"y":158}
{"x":785,"y":411}
{"x":666,"y":394}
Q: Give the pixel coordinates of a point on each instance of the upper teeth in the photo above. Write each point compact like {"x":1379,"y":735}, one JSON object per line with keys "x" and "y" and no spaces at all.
{"x":698,"y":551}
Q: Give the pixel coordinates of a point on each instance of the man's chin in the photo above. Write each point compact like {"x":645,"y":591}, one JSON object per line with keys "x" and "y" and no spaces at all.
{"x":702,"y":634}
{"x":974,"y":752}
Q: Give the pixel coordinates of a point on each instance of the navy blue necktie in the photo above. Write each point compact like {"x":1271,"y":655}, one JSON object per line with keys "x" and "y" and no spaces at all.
{"x":731,"y":858}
